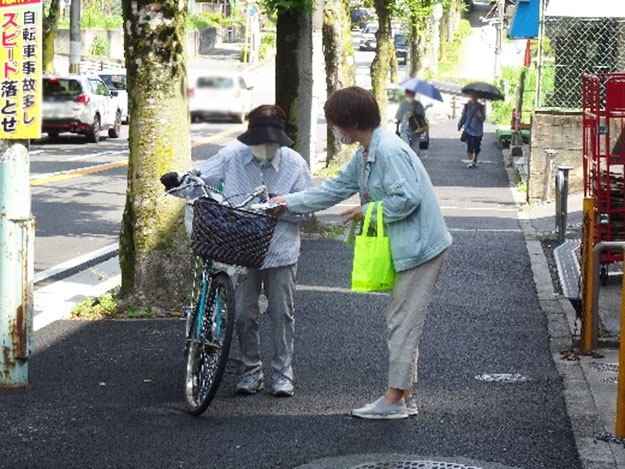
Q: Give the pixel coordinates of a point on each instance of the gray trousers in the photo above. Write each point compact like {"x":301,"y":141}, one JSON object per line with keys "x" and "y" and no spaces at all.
{"x":413,"y":141}
{"x":405,"y":319}
{"x":279,"y":287}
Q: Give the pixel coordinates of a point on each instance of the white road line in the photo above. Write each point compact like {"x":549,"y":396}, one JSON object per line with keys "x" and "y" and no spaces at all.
{"x":72,"y":263}
{"x":333,"y":290}
{"x":485,"y":230}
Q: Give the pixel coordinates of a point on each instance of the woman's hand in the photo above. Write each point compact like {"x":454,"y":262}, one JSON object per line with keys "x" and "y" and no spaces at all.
{"x":282,"y":208}
{"x":353,"y":214}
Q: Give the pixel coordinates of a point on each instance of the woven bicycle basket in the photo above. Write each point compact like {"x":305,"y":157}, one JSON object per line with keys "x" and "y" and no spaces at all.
{"x":230,"y":235}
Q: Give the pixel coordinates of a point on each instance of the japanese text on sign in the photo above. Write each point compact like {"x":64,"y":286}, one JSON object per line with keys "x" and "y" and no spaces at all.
{"x":20,"y":75}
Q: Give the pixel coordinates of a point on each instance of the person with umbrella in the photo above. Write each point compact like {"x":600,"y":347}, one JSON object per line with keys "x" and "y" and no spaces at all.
{"x":410,"y":120}
{"x":410,"y":117}
{"x":472,"y":122}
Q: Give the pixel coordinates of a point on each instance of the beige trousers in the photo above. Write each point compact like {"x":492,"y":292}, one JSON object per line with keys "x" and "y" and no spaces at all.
{"x":405,"y":319}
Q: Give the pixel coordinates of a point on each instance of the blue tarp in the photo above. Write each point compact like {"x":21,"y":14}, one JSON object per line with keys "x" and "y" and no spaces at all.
{"x":525,"y":20}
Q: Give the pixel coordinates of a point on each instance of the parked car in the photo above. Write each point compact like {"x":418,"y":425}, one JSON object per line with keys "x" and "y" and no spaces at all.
{"x":117,"y":82}
{"x":80,"y":104}
{"x":222,"y":94}
{"x":368,"y":40}
{"x":401,"y":48}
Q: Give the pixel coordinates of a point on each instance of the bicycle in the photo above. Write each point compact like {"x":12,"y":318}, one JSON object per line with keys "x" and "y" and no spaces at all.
{"x":210,"y":317}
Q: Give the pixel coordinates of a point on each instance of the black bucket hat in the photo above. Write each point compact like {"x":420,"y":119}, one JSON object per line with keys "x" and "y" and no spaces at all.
{"x":265,"y":129}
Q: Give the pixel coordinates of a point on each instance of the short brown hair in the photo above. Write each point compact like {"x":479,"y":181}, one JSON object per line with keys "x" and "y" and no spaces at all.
{"x":267,"y":110}
{"x":352,"y":107}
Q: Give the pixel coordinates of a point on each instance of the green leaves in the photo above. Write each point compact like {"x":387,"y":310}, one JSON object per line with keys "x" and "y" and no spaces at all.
{"x":280,"y":6}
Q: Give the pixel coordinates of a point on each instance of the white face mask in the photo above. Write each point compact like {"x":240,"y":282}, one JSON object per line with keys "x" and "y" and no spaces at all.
{"x":265,"y":152}
{"x":410,"y":99}
{"x":340,"y":136}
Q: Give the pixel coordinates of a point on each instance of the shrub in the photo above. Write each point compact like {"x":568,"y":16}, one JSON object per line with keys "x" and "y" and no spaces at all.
{"x":99,"y":46}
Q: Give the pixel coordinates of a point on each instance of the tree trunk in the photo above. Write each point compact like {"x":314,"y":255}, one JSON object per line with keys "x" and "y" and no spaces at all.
{"x":380,"y":67}
{"x":416,"y":48}
{"x":50,"y":26}
{"x":338,"y":51}
{"x":294,"y":76}
{"x":154,"y":251}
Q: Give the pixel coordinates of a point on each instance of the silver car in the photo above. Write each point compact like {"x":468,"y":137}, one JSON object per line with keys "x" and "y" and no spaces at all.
{"x":219,"y":94}
{"x":80,"y":104}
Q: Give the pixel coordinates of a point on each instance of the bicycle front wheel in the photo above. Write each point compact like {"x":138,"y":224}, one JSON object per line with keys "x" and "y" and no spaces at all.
{"x":208,"y":342}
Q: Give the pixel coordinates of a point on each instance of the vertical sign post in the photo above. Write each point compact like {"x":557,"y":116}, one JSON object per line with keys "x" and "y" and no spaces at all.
{"x":20,"y":121}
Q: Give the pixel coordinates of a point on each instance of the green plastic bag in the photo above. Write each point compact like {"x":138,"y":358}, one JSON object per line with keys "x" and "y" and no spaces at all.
{"x":373,"y":264}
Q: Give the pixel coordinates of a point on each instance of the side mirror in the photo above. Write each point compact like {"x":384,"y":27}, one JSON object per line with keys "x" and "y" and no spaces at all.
{"x":114,"y":93}
{"x":250,"y":88}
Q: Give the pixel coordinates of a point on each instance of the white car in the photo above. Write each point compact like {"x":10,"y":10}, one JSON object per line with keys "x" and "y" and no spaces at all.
{"x":80,"y":104}
{"x":368,"y":40}
{"x":219,"y":94}
{"x":116,"y":81}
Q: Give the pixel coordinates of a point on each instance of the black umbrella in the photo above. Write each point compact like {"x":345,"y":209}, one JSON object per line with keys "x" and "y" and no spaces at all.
{"x":483,"y":91}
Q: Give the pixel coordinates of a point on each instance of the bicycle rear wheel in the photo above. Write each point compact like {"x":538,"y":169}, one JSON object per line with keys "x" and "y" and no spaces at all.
{"x":208,"y":344}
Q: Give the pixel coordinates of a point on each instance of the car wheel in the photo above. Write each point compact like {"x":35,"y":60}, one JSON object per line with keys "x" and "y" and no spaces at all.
{"x":93,"y":134}
{"x":53,"y":134}
{"x":116,"y":130}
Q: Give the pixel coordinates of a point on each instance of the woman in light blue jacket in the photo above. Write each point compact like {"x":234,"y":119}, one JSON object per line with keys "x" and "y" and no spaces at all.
{"x":385,"y":169}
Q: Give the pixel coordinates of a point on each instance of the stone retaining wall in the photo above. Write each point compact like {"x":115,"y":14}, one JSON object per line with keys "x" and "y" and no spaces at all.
{"x":198,"y":42}
{"x":560,"y":131}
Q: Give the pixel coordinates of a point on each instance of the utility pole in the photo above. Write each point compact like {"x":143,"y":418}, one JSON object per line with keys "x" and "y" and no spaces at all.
{"x":17,"y":268}
{"x":74,"y":37}
{"x":539,"y":61}
{"x":501,"y":5}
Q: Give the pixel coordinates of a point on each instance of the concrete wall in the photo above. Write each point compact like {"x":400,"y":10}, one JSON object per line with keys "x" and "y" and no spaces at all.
{"x":562,"y":132}
{"x":197,"y":42}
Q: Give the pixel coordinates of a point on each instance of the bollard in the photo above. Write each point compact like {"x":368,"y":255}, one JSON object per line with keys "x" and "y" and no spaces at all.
{"x":562,"y":195}
{"x":588,"y":241}
{"x":453,"y":107}
{"x":16,"y":267}
{"x":620,"y":393}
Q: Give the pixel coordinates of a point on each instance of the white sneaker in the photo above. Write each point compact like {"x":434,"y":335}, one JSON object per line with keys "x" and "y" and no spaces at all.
{"x":251,"y":384}
{"x":380,"y":409}
{"x":411,"y":406}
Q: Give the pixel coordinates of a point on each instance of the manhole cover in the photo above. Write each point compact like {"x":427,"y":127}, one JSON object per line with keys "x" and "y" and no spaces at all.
{"x":502,"y":378}
{"x":604,"y":367}
{"x":413,"y":465}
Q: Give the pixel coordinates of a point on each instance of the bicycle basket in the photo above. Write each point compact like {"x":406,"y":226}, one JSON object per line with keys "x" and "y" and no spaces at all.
{"x":230,"y":235}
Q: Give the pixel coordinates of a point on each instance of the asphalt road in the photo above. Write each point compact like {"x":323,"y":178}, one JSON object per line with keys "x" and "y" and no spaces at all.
{"x":89,"y":404}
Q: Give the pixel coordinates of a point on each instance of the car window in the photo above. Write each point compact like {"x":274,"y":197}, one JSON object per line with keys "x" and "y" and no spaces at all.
{"x":98,"y":87}
{"x":371,"y":29}
{"x":400,"y":40}
{"x":117,"y":82}
{"x":215,"y":82}
{"x":61,"y":87}
{"x":242,"y":84}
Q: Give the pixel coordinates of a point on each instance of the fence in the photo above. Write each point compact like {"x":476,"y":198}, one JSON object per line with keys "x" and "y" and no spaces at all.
{"x":578,"y":47}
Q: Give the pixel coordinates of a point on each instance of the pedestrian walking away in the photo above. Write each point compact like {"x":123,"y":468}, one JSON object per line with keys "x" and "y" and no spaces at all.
{"x":263,"y":157}
{"x":411,"y":111}
{"x":385,"y":169}
{"x":472,"y":123}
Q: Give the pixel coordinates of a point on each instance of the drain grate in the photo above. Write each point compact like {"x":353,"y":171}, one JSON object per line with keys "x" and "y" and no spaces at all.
{"x":502,"y":378}
{"x":413,"y":465}
{"x":604,"y":367}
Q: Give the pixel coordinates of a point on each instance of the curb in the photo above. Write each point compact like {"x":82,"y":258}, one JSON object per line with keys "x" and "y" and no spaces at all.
{"x":580,"y":403}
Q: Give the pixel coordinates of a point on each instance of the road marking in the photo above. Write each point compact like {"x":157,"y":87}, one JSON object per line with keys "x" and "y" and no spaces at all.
{"x":219,"y":136}
{"x":75,"y":262}
{"x":485,"y":230}
{"x":73,"y":173}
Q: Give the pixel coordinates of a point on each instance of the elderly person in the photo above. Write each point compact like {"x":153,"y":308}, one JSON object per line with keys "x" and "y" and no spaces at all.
{"x":263,"y":157}
{"x":409,"y":107}
{"x":385,"y":169}
{"x":472,"y":122}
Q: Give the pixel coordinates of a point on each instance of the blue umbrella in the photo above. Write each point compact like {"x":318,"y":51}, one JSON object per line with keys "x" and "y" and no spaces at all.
{"x":422,"y":87}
